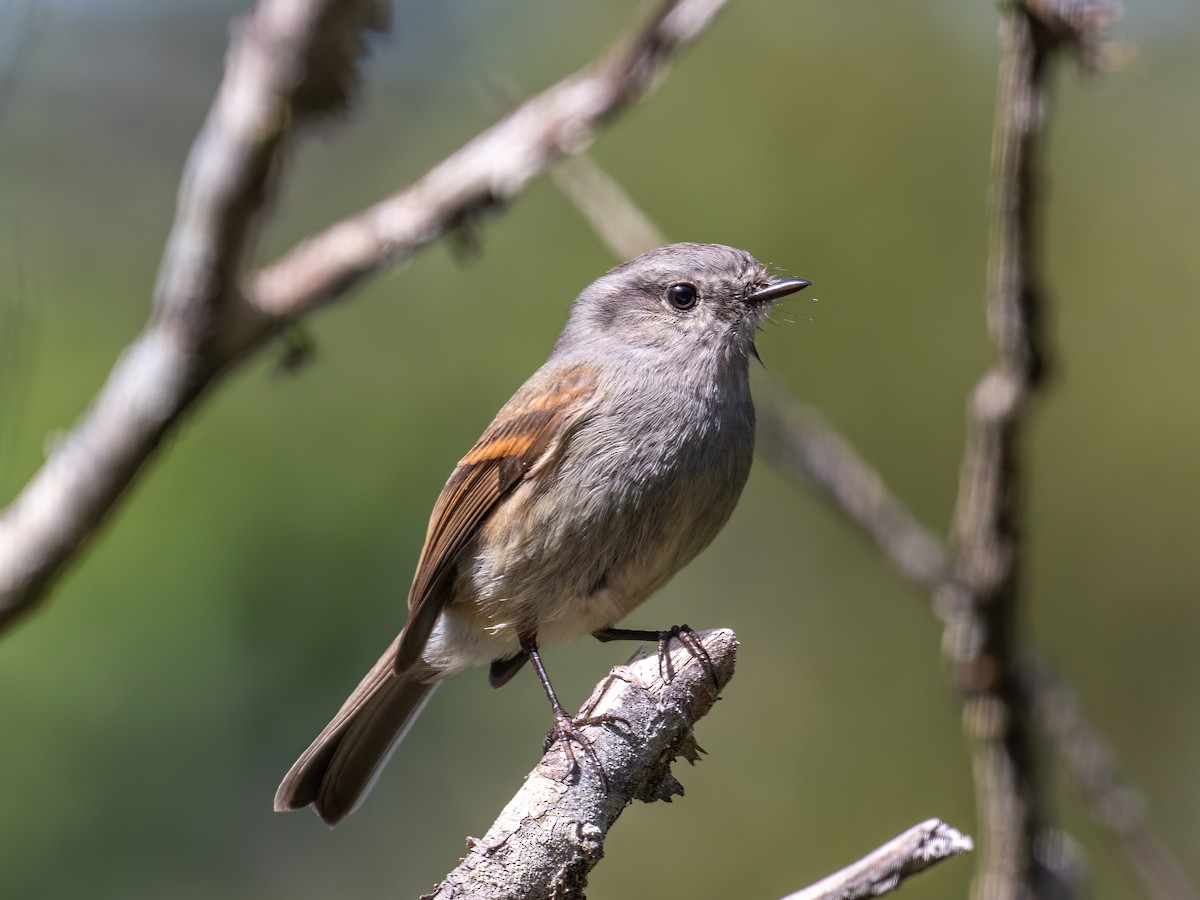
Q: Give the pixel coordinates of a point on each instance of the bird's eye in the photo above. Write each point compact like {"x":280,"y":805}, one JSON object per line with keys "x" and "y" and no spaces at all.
{"x":682,"y":296}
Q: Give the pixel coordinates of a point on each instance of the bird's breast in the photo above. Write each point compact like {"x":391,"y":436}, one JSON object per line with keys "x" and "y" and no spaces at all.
{"x":635,"y":492}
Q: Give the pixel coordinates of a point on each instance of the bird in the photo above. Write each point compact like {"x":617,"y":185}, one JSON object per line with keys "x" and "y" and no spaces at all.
{"x":613,"y":466}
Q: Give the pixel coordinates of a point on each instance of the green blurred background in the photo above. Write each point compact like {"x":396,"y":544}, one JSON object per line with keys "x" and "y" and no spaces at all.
{"x":151,"y":707}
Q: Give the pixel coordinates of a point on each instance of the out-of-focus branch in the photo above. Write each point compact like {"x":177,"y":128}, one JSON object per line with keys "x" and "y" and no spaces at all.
{"x":289,"y":61}
{"x":271,"y":84}
{"x":551,"y":834}
{"x":883,"y":869}
{"x":982,"y":639}
{"x":795,"y":438}
{"x":483,"y":175}
{"x":19,"y":21}
{"x":982,"y":636}
{"x":1090,"y":762}
{"x":620,"y":223}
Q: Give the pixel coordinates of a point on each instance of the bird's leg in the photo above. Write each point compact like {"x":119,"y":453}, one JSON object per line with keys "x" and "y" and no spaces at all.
{"x":566,"y":729}
{"x":681,"y":633}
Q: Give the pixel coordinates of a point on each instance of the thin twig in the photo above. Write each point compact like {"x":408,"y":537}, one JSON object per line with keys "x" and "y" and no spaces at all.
{"x":982,"y":639}
{"x":1091,"y":763}
{"x":620,"y":223}
{"x":883,"y":869}
{"x":796,"y":439}
{"x":289,"y":61}
{"x":551,"y":834}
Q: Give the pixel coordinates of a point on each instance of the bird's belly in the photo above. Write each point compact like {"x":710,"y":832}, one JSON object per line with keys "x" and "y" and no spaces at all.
{"x":490,"y":627}
{"x":553,"y":595}
{"x":560,"y":571}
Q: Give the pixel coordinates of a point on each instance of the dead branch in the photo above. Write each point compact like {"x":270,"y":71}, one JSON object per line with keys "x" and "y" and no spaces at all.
{"x":983,"y":600}
{"x":883,"y":869}
{"x":551,"y":834}
{"x":1091,"y":764}
{"x":797,"y":440}
{"x":620,"y":223}
{"x":290,"y":61}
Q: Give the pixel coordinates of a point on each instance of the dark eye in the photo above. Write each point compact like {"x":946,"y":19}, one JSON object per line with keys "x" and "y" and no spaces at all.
{"x":682,"y":296}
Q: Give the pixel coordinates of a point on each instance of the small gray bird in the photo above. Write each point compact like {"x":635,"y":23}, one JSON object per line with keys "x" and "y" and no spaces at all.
{"x":605,"y":474}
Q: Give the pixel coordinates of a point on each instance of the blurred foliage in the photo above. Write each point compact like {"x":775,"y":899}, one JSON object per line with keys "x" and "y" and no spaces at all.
{"x":179,"y":668}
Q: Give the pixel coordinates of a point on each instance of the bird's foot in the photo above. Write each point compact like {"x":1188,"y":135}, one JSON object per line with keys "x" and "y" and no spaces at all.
{"x":694,"y":646}
{"x":682,"y":633}
{"x":568,"y":732}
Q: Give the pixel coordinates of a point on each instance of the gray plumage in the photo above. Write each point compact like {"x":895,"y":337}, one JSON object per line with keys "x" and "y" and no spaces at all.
{"x":610,"y":469}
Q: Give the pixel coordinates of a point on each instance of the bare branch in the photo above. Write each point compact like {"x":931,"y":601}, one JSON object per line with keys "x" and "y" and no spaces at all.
{"x":1090,"y":762}
{"x":224,"y":185}
{"x":792,"y":436}
{"x":795,"y":438}
{"x":483,"y":175}
{"x":882,"y":870}
{"x":291,"y":60}
{"x":982,"y":635}
{"x":617,"y":220}
{"x":982,"y":639}
{"x":551,"y":834}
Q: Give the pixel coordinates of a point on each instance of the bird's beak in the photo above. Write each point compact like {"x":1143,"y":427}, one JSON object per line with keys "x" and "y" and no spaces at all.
{"x":778,"y":287}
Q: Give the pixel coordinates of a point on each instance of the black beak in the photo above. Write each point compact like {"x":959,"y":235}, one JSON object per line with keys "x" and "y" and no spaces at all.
{"x":780,"y":287}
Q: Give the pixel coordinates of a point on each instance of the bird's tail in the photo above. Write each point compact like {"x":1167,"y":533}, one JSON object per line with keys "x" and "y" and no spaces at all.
{"x":340,"y":766}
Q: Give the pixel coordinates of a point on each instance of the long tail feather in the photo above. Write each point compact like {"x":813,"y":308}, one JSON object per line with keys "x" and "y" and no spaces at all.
{"x":340,"y":766}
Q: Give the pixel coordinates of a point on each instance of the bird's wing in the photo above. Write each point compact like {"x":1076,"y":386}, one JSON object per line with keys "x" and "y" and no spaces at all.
{"x":528,"y":429}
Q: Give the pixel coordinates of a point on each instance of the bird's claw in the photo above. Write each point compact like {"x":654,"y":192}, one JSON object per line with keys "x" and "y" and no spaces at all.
{"x":568,"y":732}
{"x":694,"y":646}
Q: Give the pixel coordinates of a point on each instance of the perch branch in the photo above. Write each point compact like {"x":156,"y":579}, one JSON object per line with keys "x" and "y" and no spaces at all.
{"x":551,"y":834}
{"x":882,"y":870}
{"x":289,"y":61}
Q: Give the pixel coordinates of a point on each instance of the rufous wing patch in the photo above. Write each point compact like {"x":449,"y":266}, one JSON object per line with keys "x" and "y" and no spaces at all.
{"x":526,"y":429}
